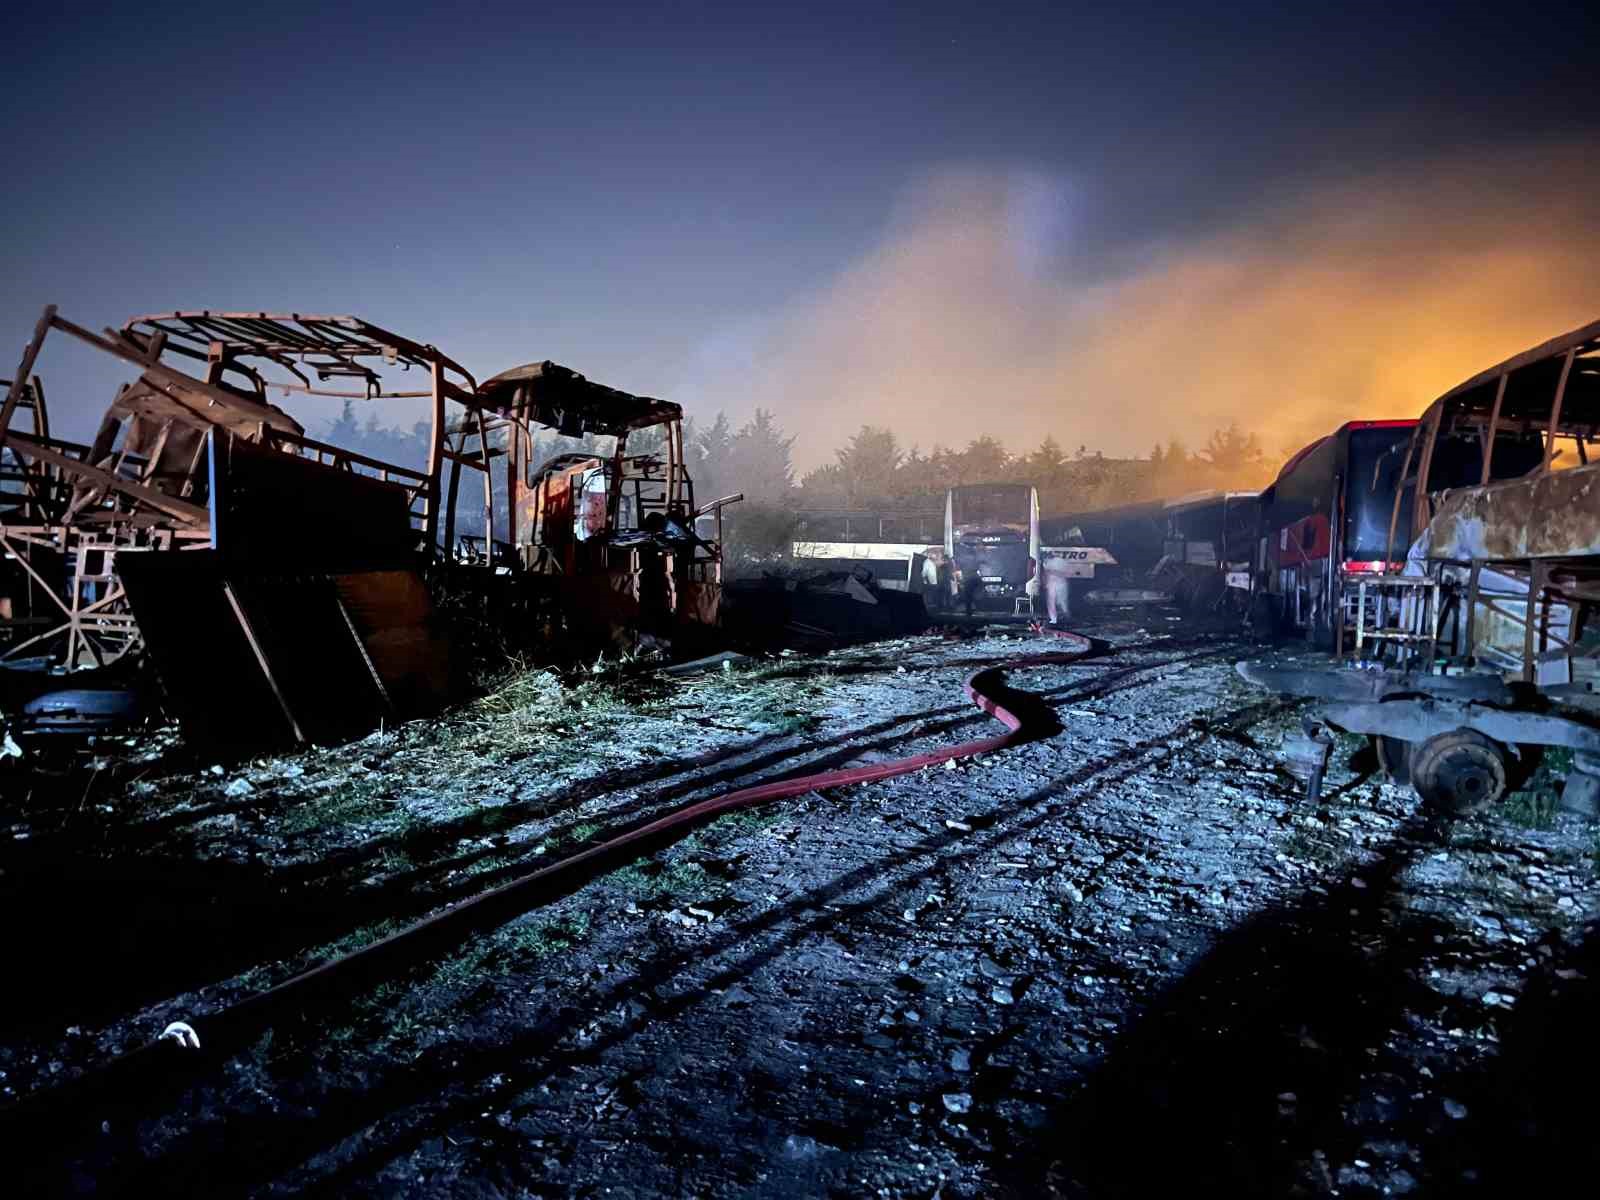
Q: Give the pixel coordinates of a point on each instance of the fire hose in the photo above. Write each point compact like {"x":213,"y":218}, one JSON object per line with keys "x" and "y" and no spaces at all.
{"x":233,"y":1028}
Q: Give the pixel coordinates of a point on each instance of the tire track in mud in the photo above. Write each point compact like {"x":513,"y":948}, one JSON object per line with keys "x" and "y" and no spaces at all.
{"x":835,"y":904}
{"x":1118,"y":679}
{"x":413,"y":894}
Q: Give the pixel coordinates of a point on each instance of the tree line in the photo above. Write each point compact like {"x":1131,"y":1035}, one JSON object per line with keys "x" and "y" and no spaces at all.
{"x":871,"y":470}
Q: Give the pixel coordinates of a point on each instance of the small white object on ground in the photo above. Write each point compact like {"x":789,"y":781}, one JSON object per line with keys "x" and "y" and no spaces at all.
{"x":183,"y":1033}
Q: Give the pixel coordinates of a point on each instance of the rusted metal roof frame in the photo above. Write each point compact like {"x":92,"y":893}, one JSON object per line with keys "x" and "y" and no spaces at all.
{"x":1491,"y":398}
{"x":1571,"y":408}
{"x":301,"y":348}
{"x":545,"y":392}
{"x":329,"y":347}
{"x":1583,"y":339}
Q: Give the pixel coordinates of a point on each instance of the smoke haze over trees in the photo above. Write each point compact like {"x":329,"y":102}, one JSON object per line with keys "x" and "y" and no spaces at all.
{"x":871,"y":471}
{"x":987,"y":298}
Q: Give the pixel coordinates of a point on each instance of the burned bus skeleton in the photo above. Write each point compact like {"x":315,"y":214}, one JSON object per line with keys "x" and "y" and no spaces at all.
{"x":1482,"y":627}
{"x":618,"y":531}
{"x":1211,"y":542}
{"x":1113,"y":549}
{"x":204,"y":529}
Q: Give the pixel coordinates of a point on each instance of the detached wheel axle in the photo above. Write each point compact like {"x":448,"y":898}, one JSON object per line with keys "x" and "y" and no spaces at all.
{"x":1460,"y":772}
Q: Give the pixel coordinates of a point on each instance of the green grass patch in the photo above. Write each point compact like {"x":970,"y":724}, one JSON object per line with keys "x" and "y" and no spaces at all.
{"x":1311,"y":849}
{"x":535,"y":939}
{"x":648,"y":879}
{"x":358,"y":939}
{"x":488,"y":863}
{"x":351,"y":803}
{"x":747,"y":820}
{"x":581,"y":832}
{"x":1531,"y":809}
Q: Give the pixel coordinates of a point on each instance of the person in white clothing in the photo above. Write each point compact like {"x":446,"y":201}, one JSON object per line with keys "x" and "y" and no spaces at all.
{"x":1057,"y":598}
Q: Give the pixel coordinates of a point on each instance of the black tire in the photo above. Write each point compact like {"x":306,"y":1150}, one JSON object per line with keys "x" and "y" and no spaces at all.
{"x":1394,"y":757}
{"x":1459,"y":772}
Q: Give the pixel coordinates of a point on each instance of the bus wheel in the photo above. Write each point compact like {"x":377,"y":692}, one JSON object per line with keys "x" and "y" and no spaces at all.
{"x":1459,"y":772}
{"x":1394,"y":757}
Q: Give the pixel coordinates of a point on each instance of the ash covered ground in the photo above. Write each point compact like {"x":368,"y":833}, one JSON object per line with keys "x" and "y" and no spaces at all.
{"x":1130,"y":959}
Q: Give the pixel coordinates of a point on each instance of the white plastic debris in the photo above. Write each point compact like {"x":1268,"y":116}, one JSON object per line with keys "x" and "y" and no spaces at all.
{"x":183,"y":1033}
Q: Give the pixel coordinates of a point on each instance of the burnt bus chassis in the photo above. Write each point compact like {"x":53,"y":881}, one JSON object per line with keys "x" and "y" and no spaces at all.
{"x":71,"y":514}
{"x":1461,"y":731}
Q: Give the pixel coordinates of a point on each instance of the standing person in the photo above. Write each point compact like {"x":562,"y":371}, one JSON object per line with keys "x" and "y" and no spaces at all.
{"x":1057,"y":593}
{"x":925,"y":572}
{"x":967,"y":574}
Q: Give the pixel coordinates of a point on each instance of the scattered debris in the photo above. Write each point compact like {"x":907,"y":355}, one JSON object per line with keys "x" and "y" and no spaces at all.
{"x":308,"y":573}
{"x":825,"y":608}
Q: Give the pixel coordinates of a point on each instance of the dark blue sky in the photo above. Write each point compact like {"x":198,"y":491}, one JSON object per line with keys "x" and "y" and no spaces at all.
{"x":625,"y":188}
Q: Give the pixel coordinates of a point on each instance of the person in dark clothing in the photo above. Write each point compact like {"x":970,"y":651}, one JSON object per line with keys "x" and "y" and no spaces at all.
{"x":967,"y":574}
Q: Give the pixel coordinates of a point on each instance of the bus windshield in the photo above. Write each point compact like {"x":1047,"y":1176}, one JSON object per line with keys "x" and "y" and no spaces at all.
{"x":993,"y":508}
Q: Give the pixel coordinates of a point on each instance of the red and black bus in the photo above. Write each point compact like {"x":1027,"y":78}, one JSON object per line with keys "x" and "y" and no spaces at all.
{"x":1325,"y":517}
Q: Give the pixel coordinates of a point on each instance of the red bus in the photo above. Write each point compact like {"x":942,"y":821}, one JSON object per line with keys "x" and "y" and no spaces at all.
{"x":1326,"y":517}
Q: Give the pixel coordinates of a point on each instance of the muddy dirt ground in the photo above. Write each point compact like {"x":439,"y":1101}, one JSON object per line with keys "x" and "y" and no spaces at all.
{"x":1127,"y":960}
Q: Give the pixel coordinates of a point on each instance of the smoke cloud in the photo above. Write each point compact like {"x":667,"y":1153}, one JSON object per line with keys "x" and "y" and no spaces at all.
{"x":987,"y":308}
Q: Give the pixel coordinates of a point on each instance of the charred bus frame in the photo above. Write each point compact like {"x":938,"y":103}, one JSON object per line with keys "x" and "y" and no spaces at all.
{"x":145,"y":481}
{"x":1502,"y":521}
{"x":192,"y":455}
{"x":618,"y":531}
{"x":1210,"y":545}
{"x":1485,"y":640}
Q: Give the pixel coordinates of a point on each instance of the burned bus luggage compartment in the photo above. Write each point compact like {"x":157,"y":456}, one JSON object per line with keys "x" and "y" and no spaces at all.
{"x":307,"y":620}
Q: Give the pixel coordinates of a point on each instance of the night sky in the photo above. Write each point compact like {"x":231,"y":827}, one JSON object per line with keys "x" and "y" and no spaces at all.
{"x":1116,"y":223}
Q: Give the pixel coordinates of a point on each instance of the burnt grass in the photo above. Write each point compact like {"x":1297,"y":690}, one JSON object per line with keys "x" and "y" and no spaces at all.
{"x":1129,"y":959}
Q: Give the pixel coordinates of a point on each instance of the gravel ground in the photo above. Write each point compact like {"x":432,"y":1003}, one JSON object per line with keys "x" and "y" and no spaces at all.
{"x":1127,"y":960}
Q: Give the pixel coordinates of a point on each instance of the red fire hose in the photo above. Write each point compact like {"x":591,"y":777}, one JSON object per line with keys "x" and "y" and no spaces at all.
{"x":234,"y":1027}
